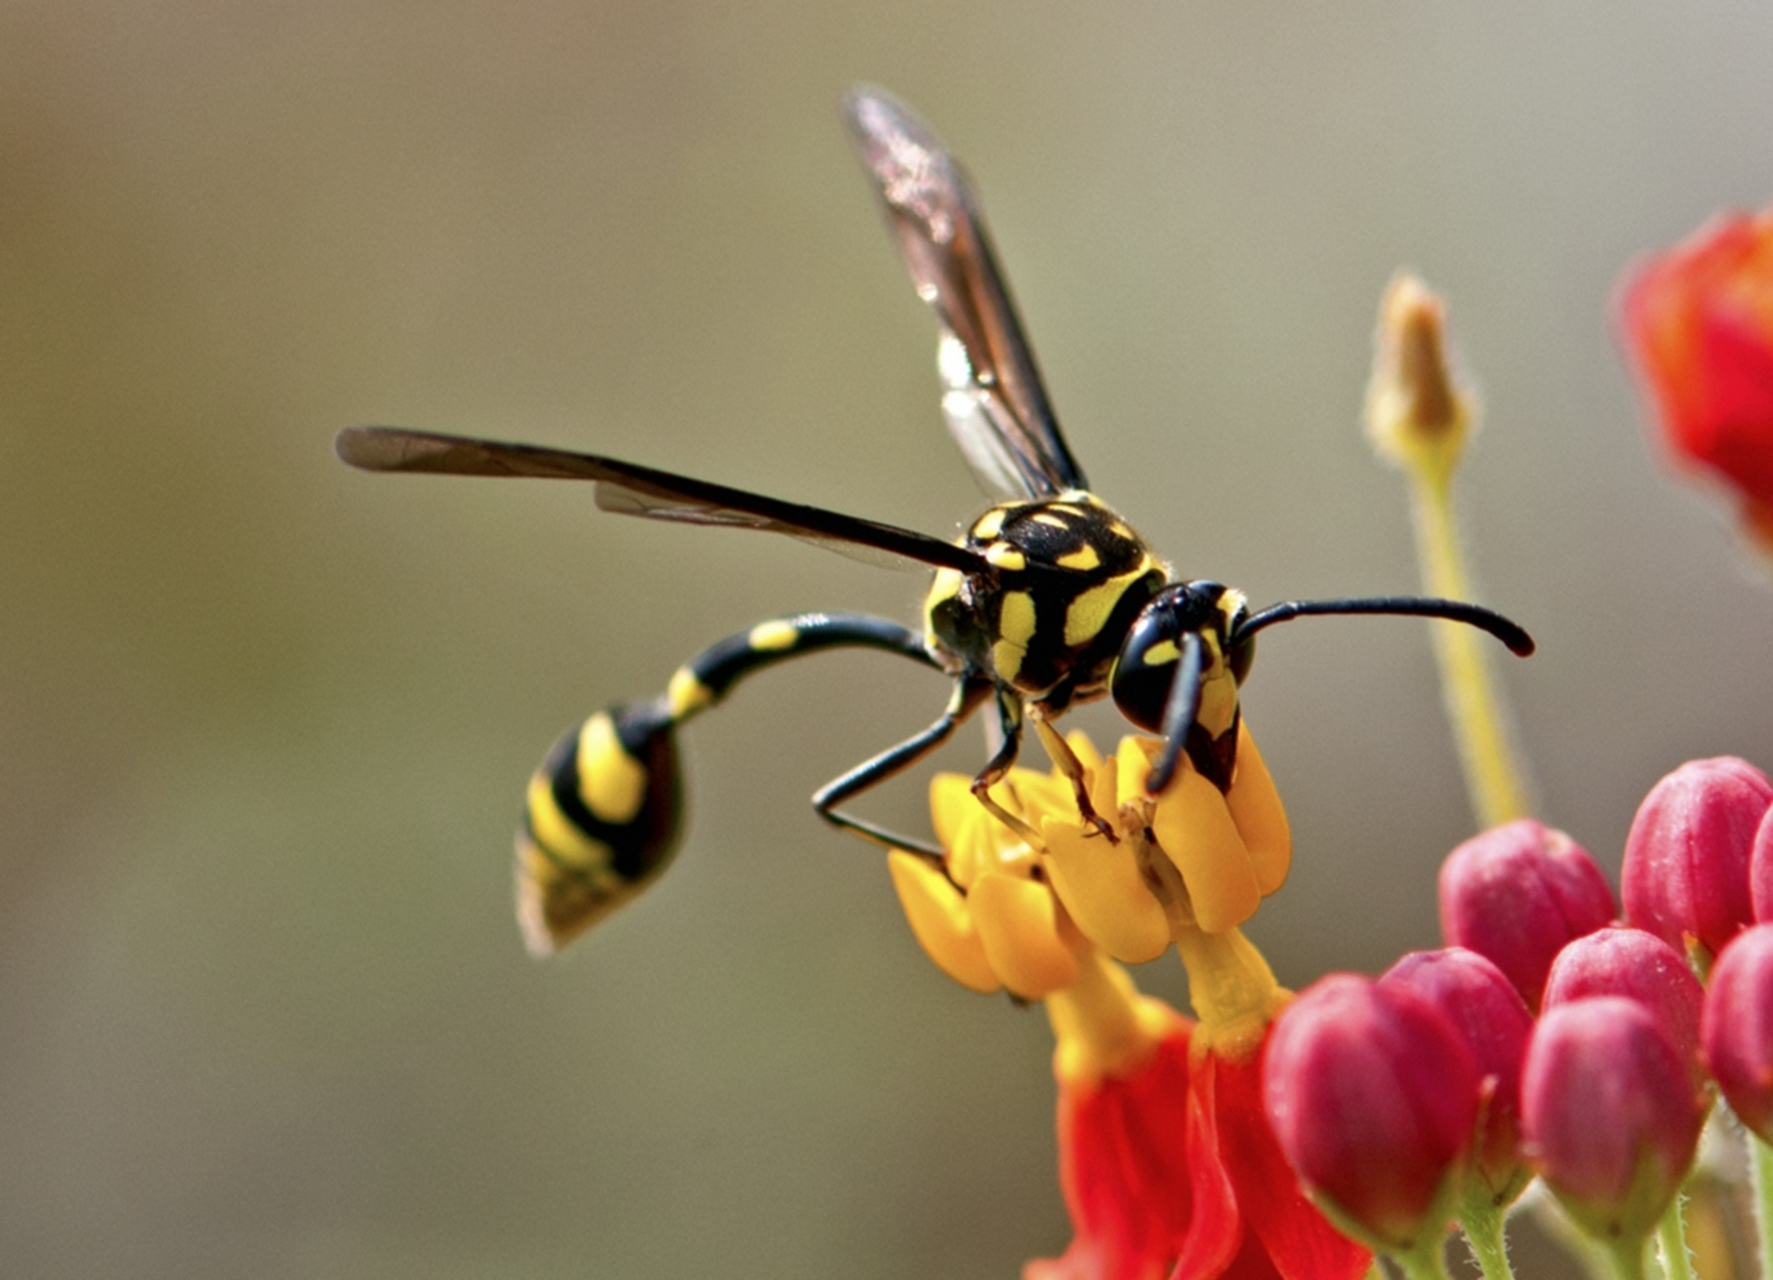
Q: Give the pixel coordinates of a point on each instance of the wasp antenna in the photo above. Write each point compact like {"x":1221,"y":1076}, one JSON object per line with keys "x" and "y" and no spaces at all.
{"x":1506,"y":630}
{"x":1180,"y":710}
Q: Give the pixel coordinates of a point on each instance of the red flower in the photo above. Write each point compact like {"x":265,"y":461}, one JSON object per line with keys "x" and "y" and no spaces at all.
{"x":1168,"y":1164}
{"x":1251,"y":1219}
{"x":1124,"y":1171}
{"x":1700,"y":321}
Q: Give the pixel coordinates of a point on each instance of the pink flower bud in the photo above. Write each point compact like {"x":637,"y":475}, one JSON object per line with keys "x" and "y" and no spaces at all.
{"x":1623,"y":961}
{"x":1490,"y":1016}
{"x":1686,"y":859}
{"x":1736,"y":1029}
{"x":1372,"y":1096}
{"x":1760,"y":869}
{"x":1608,"y":1113}
{"x":1516,"y":894}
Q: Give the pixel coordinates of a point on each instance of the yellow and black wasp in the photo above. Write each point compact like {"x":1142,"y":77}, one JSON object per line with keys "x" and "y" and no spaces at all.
{"x":1048,"y":600}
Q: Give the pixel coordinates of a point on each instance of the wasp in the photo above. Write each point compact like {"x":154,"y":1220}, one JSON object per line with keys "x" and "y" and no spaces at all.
{"x":1048,"y":600}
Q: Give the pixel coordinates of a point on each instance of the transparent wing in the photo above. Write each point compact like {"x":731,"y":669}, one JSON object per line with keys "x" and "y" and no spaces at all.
{"x":629,"y":489}
{"x":996,"y":407}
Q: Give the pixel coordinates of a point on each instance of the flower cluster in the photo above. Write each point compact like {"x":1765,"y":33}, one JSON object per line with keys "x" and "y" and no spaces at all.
{"x":1167,"y":1161}
{"x":1548,"y":1037}
{"x":1555,"y":1035}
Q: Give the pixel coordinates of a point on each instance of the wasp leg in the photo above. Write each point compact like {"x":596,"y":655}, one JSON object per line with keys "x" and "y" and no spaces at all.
{"x":969,"y":692}
{"x":1009,"y":726}
{"x":1068,"y":764}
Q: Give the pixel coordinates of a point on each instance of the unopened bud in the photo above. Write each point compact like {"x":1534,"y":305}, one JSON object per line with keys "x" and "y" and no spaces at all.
{"x":1608,"y":1114}
{"x":1736,"y":1029}
{"x":1516,"y":894}
{"x":1372,"y":1096}
{"x":1623,"y":961}
{"x":1685,"y":877}
{"x":1491,"y":1018}
{"x":1418,"y":413}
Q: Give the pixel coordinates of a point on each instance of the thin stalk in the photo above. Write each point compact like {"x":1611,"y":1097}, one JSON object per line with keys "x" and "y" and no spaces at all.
{"x":1671,"y":1242}
{"x":1763,"y":1176}
{"x":1627,"y":1257}
{"x":1494,"y":777}
{"x":1427,"y":1263}
{"x":1484,"y":1227}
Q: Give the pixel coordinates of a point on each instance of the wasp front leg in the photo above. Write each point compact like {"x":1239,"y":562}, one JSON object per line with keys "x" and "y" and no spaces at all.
{"x":1066,"y":761}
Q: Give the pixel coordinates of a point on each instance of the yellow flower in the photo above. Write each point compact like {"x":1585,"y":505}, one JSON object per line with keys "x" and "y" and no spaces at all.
{"x":1000,"y":914}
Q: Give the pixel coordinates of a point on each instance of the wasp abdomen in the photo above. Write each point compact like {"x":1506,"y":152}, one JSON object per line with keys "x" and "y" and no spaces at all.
{"x":603,"y":814}
{"x":601,"y":820}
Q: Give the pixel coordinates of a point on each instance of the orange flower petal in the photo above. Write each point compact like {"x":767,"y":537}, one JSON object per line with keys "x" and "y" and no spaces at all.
{"x":1101,"y":886}
{"x":941,"y":921}
{"x":1018,"y":923}
{"x":1261,"y":820}
{"x":1196,"y":830}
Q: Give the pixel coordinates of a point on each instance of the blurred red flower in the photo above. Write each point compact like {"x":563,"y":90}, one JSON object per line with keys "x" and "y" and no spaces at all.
{"x":1699,"y":319}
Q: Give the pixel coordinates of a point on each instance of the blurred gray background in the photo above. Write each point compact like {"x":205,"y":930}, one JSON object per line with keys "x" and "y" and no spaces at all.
{"x":265,"y":722}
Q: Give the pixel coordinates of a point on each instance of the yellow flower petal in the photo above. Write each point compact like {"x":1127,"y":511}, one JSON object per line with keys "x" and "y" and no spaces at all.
{"x":1103,"y":888}
{"x":1133,"y":759}
{"x":941,"y":921}
{"x":951,"y":804}
{"x":1195,"y":828}
{"x":1261,"y":820}
{"x":1018,"y":924}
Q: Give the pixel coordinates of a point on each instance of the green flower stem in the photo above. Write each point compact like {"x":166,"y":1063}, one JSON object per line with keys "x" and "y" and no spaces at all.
{"x":1763,"y":1175}
{"x":1427,"y":1263}
{"x":1484,"y":1225}
{"x":1671,"y":1242}
{"x":1494,"y":775}
{"x":1627,"y":1257}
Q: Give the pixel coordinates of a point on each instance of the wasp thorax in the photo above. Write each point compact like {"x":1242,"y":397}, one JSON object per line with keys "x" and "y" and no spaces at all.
{"x":1070,"y":577}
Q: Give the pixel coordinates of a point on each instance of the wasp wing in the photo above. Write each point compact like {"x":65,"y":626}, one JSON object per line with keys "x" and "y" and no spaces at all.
{"x":996,"y":406}
{"x":629,"y":489}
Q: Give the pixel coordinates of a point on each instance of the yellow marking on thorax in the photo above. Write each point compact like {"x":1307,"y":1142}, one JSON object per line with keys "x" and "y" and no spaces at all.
{"x":772,"y":636}
{"x":557,"y":834}
{"x":1089,"y":611}
{"x":943,"y":588}
{"x":1121,"y":529}
{"x":990,"y":524}
{"x":1015,"y":628}
{"x":1085,"y":557}
{"x":612,"y":783}
{"x":1004,"y":556}
{"x":1048,"y":518}
{"x":686,"y":694}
